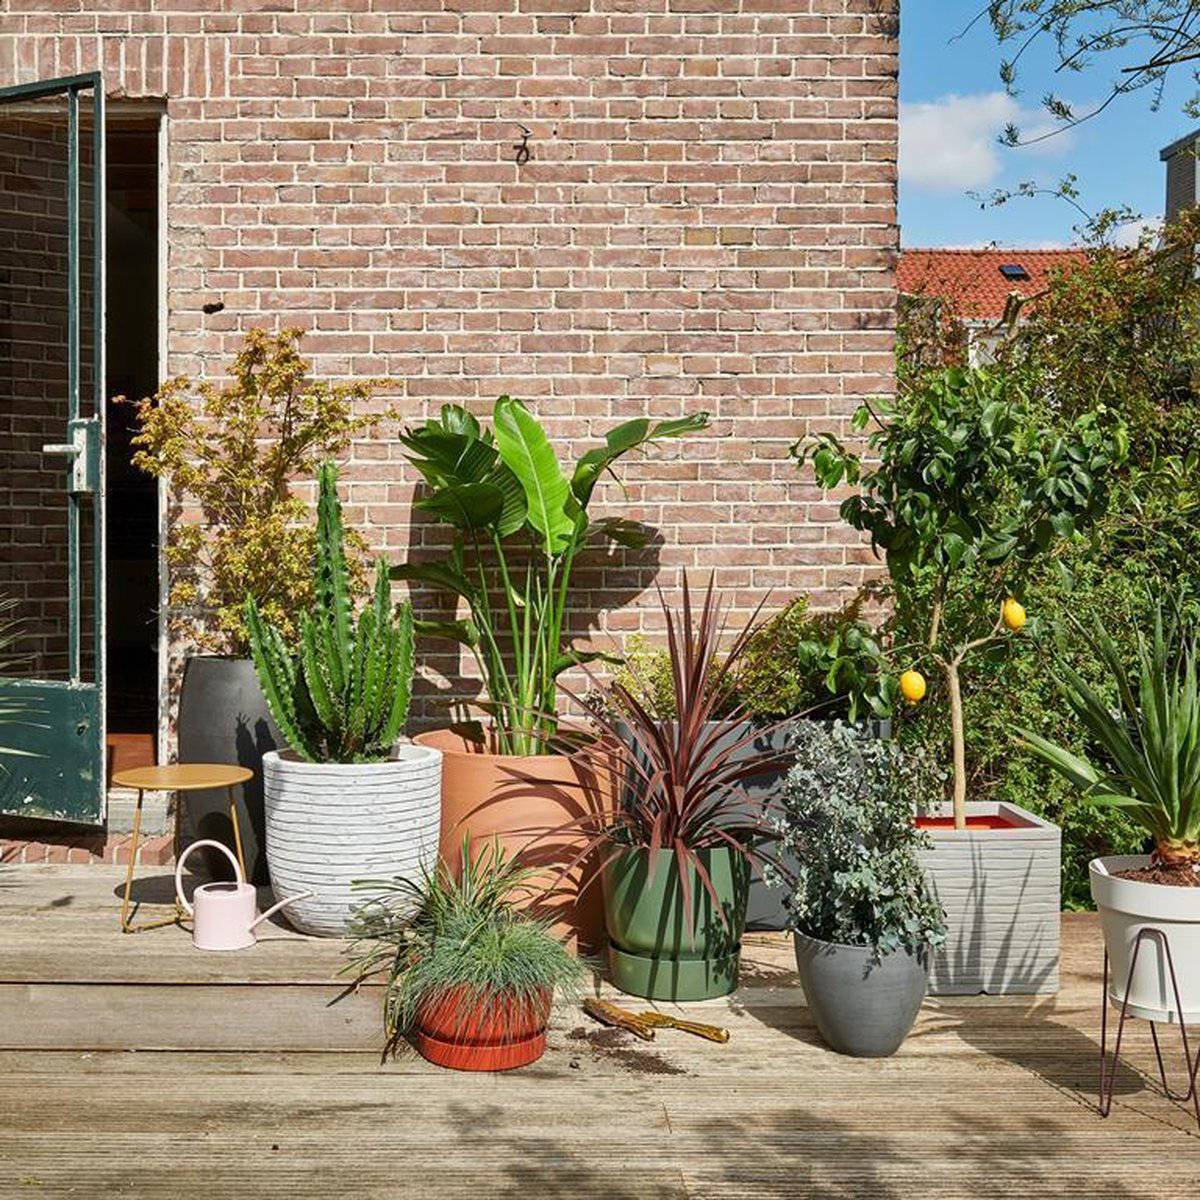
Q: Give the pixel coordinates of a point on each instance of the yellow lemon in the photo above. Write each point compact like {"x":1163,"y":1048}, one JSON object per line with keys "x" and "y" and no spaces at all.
{"x":1014,"y":614}
{"x":912,"y":685}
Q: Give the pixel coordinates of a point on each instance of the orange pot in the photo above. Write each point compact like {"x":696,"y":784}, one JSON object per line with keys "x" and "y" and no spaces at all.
{"x":521,"y":800}
{"x":463,"y":1031}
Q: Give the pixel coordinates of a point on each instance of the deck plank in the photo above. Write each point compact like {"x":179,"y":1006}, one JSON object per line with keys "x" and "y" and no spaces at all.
{"x":135,"y":1066}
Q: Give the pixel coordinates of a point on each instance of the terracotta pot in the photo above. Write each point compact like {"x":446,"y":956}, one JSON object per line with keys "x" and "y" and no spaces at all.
{"x":466,"y":1033}
{"x":521,"y":800}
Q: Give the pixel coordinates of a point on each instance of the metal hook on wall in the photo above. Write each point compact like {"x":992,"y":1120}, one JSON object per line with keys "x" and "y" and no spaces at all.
{"x":522,"y":147}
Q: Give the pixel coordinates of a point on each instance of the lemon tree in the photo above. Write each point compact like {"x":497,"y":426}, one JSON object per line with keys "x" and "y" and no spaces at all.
{"x":966,"y":471}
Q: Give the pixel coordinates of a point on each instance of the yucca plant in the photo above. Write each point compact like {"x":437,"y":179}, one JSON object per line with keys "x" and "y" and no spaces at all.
{"x":455,"y":932}
{"x":519,"y":522}
{"x":1151,"y":742}
{"x":341,"y":694}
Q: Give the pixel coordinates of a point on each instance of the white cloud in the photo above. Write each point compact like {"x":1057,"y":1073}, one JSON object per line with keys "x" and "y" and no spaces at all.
{"x":950,"y":145}
{"x":1131,"y":233}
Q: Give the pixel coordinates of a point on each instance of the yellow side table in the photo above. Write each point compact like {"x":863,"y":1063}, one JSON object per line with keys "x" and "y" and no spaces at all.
{"x":179,"y":778}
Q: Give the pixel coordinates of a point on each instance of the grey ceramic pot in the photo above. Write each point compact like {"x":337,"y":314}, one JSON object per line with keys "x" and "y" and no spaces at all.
{"x":861,"y":1006}
{"x":223,"y":718}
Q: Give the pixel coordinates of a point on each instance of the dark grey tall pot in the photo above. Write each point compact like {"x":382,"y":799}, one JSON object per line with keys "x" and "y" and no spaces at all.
{"x":223,"y":717}
{"x":862,"y":1006}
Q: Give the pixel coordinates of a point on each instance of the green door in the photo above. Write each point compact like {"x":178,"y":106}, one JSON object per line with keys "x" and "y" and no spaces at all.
{"x":51,"y":442}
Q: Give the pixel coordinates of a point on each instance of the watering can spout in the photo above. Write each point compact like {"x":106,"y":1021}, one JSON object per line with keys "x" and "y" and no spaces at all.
{"x":277,"y":906}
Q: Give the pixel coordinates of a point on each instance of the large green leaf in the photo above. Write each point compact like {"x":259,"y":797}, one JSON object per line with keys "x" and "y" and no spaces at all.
{"x":527,"y":452}
{"x":471,"y":506}
{"x":619,"y":441}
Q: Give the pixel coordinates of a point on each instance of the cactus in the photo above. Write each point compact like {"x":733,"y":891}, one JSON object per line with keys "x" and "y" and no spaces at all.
{"x":341,"y":694}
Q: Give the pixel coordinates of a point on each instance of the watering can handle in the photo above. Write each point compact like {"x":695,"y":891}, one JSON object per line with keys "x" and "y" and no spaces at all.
{"x":237,"y":870}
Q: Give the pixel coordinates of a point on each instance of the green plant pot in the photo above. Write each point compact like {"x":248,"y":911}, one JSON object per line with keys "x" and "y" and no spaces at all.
{"x":656,"y":948}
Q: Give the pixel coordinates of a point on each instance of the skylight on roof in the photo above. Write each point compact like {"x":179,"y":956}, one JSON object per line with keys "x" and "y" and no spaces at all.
{"x":1014,"y":271}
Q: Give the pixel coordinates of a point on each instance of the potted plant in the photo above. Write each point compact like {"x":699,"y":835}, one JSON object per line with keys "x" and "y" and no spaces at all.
{"x":797,"y":666}
{"x":969,"y":486}
{"x":864,"y":919}
{"x":229,"y":455}
{"x":346,"y":799}
{"x":1147,"y":734}
{"x":469,"y":977}
{"x":677,"y":852}
{"x":518,"y":524}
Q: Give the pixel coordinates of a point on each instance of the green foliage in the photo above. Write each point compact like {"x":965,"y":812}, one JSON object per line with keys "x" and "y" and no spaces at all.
{"x":827,"y":664}
{"x":797,"y":662}
{"x":847,"y":816}
{"x":968,"y":470}
{"x":341,"y":693}
{"x":230,"y":455}
{"x":1150,"y":746}
{"x":1146,"y":39}
{"x":1119,"y":333}
{"x":518,"y":523}
{"x":968,"y":479}
{"x":459,"y":929}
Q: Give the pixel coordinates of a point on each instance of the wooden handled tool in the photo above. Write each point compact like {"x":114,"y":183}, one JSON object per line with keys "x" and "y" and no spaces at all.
{"x":657,"y":1020}
{"x":619,"y":1018}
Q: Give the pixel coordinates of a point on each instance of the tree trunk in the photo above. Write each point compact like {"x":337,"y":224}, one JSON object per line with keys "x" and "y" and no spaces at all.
{"x":958,"y":741}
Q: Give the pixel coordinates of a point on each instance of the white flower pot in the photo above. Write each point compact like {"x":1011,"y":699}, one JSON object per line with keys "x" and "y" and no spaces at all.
{"x":1000,"y":889}
{"x":329,"y":824}
{"x":1129,"y":905}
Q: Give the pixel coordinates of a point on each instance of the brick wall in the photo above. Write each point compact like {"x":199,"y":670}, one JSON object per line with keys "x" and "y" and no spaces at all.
{"x":33,"y":387}
{"x":34,"y":225}
{"x":706,"y":220}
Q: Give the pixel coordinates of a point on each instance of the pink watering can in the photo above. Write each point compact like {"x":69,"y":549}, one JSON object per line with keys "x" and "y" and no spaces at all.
{"x":225,"y":914}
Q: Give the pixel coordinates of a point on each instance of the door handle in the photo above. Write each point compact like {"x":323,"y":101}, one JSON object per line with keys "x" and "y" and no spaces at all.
{"x":83,"y":450}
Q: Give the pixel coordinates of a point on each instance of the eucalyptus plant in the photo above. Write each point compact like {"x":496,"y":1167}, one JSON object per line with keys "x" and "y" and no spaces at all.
{"x":847,"y":816}
{"x":1150,"y":744}
{"x":341,"y":693}
{"x":518,"y":524}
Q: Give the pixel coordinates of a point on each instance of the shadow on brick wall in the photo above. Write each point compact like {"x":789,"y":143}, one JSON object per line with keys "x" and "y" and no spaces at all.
{"x":605,"y":578}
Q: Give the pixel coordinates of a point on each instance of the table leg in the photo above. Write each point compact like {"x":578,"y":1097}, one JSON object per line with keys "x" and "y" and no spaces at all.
{"x":126,"y":925}
{"x":133,"y":846}
{"x":237,"y":832}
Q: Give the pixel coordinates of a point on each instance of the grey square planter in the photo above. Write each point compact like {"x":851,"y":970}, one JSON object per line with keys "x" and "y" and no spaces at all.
{"x":1001,"y":892}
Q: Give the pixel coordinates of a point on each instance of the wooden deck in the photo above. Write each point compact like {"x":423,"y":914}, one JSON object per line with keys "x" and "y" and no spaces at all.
{"x":136,"y":1067}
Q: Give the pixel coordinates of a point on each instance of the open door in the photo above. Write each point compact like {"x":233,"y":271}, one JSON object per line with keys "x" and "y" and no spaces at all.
{"x":52,"y":205}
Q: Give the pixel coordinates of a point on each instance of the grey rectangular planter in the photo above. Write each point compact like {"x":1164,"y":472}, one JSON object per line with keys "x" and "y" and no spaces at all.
{"x":1000,"y":889}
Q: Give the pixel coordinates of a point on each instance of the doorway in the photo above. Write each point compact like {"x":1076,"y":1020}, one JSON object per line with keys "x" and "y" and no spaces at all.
{"x":134,"y":288}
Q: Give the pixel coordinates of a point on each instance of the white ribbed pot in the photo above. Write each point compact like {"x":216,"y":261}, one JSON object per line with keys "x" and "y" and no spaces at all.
{"x":329,"y":824}
{"x":1126,"y":907}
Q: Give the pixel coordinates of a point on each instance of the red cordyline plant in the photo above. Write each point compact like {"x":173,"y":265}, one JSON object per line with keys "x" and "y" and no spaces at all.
{"x":685,"y":777}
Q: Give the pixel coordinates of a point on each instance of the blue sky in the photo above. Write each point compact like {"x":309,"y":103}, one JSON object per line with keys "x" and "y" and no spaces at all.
{"x":953,"y":106}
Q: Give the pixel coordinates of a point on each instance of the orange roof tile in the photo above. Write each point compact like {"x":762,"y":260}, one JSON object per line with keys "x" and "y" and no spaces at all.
{"x":971,"y":279}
